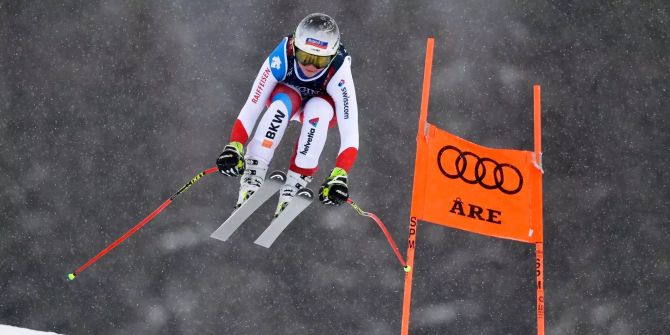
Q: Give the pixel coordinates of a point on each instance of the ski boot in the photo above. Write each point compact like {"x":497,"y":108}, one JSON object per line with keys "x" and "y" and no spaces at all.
{"x":251,"y":180}
{"x":294,"y":182}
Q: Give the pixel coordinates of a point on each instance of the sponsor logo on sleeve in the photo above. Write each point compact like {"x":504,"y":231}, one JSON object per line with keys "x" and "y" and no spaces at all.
{"x":345,"y":98}
{"x":261,"y":84}
{"x":276,"y":63}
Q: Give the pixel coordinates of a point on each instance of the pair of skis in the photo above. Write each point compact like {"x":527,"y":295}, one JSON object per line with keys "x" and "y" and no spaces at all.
{"x":270,"y":186}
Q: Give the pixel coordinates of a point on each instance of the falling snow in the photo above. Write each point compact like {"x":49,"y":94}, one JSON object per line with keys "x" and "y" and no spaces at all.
{"x":108,"y":107}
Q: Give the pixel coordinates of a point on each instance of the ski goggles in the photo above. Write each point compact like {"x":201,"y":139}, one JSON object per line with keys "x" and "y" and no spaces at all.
{"x":305,"y":58}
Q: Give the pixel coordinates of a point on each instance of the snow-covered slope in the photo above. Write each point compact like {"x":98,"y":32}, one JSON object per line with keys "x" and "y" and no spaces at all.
{"x":9,"y":330}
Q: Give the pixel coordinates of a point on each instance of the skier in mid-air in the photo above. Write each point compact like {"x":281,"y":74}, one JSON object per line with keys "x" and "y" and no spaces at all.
{"x":307,"y":78}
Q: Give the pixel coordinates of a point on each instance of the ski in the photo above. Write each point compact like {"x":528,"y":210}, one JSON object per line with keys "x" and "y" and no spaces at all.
{"x":299,"y":203}
{"x":270,"y":186}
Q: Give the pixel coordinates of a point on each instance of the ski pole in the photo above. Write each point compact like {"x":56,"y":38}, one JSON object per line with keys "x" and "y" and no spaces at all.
{"x":381,"y":225}
{"x":73,"y":275}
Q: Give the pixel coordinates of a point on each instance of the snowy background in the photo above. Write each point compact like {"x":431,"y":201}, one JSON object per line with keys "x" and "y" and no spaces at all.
{"x":108,"y":107}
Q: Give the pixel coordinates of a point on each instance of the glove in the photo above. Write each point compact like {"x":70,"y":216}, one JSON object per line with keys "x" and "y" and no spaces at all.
{"x":231,"y":160}
{"x":334,"y":191}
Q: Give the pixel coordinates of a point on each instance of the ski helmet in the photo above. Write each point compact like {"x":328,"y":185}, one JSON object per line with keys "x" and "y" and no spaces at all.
{"x":317,"y":34}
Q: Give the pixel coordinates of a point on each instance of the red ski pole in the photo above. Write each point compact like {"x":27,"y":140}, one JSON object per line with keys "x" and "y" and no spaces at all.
{"x":381,"y":225}
{"x":73,"y":275}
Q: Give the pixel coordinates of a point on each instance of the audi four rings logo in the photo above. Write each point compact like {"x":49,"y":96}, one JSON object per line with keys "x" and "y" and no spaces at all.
{"x":455,"y":162}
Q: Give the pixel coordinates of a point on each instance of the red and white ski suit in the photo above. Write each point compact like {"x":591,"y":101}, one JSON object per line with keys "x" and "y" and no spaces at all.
{"x":319,"y":102}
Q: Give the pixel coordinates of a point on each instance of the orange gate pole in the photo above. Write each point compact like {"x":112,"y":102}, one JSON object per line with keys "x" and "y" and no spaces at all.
{"x":539,"y":246}
{"x":419,"y":182}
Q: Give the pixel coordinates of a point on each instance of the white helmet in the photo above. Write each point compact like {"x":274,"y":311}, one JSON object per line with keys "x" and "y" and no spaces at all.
{"x":318,"y":35}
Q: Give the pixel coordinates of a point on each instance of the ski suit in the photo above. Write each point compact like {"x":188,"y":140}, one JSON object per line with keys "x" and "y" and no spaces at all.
{"x":318,"y":102}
